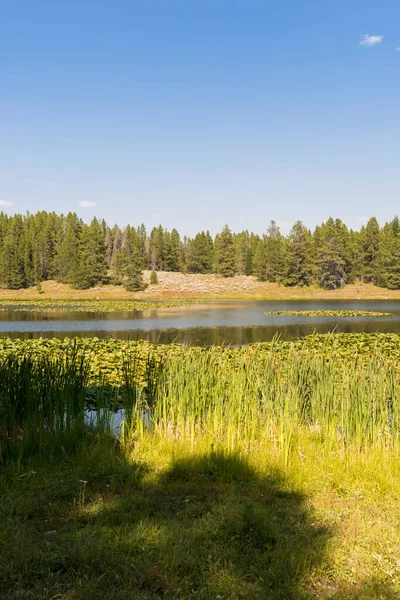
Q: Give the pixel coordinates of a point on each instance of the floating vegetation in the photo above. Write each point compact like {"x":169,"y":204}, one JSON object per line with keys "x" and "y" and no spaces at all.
{"x":328,"y":313}
{"x":106,"y":356}
{"x":95,"y":306}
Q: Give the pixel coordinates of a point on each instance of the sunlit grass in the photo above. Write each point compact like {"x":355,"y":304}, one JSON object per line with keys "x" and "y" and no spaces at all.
{"x":263,"y":472}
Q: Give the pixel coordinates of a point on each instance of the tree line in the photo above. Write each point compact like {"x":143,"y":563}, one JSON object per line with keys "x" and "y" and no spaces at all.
{"x":42,"y":246}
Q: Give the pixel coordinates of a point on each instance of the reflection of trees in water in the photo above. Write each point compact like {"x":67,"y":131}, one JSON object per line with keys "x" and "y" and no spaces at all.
{"x":236,"y":336}
{"x":207,"y":336}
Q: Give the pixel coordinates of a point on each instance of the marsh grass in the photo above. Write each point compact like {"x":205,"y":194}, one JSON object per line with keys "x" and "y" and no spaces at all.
{"x":256,"y":397}
{"x":232,"y":397}
{"x":42,"y":403}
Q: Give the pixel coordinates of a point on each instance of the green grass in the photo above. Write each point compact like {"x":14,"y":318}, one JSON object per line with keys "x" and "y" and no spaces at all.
{"x":42,"y":403}
{"x":270,"y":471}
{"x":171,"y":522}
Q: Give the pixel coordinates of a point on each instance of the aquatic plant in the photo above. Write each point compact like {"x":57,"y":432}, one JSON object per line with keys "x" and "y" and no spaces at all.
{"x":95,"y":306}
{"x":343,"y":387}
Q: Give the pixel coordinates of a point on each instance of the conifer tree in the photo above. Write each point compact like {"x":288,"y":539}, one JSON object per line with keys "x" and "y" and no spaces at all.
{"x":157,"y":248}
{"x":329,"y":261}
{"x":370,"y":235}
{"x":67,"y":257}
{"x":388,"y":259}
{"x":96,"y":253}
{"x":35,"y":248}
{"x":12,"y":275}
{"x":172,"y":257}
{"x":200,"y":254}
{"x":225,"y":253}
{"x":274,"y":253}
{"x":260,"y":261}
{"x":142,"y":246}
{"x":299,"y":256}
{"x":241,"y":241}
{"x":130,"y":269}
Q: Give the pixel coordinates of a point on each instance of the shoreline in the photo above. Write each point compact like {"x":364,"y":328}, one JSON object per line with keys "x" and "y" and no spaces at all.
{"x":201,"y":288}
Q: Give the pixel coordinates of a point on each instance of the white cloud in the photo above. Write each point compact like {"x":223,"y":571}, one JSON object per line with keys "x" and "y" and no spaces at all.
{"x":4,"y":203}
{"x":371,"y":40}
{"x":398,"y":49}
{"x":363,"y":219}
{"x":87,"y":204}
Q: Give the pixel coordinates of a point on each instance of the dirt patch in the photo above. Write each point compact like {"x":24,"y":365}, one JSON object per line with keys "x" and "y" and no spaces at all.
{"x":179,"y":285}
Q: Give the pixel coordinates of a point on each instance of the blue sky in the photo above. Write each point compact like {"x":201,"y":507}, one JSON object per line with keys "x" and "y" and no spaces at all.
{"x":197,"y":113}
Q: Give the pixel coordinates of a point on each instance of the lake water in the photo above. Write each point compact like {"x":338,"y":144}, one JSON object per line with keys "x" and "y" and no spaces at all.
{"x":232,"y":322}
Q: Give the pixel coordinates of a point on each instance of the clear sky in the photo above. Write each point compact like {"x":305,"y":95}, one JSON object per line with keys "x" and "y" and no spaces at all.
{"x":197,"y":113}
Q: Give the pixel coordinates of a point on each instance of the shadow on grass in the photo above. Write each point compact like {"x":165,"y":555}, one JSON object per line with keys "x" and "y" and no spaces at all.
{"x":206,"y":528}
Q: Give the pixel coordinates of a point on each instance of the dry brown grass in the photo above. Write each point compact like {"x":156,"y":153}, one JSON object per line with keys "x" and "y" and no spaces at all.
{"x":179,"y":285}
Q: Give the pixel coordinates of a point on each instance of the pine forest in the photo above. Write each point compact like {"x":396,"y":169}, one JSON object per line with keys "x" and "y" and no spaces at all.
{"x":43,"y":246}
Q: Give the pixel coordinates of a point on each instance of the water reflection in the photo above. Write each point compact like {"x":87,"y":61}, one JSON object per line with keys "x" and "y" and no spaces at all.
{"x":234,"y":322}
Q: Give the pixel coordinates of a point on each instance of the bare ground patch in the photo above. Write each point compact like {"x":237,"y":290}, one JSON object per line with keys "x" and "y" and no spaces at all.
{"x":180,"y":285}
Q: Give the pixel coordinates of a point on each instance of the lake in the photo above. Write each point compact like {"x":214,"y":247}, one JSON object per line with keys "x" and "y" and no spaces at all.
{"x":234,"y":322}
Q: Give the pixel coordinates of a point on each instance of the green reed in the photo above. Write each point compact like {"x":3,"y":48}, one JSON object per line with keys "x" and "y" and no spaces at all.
{"x":233,"y":397}
{"x":42,"y":403}
{"x":253,"y":396}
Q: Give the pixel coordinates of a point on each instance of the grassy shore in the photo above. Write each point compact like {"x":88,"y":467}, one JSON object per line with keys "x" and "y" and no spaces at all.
{"x":170,"y":521}
{"x":266,"y":472}
{"x":179,"y":286}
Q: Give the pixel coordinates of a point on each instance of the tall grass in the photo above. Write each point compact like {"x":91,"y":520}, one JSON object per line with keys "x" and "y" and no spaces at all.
{"x":234,"y":399}
{"x":42,"y":403}
{"x":256,"y":396}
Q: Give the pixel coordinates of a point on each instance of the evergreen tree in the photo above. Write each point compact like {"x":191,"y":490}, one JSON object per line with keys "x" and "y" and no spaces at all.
{"x":299,"y":256}
{"x":225,"y":253}
{"x":388,"y":259}
{"x":142,"y":246}
{"x":157,"y":248}
{"x":130,"y":269}
{"x":91,"y":268}
{"x":200,"y":254}
{"x":172,"y":255}
{"x":35,"y":248}
{"x":370,"y":248}
{"x":330,"y":264}
{"x":95,"y":258}
{"x":249,"y":261}
{"x":12,"y":274}
{"x":274,"y":251}
{"x":67,"y":256}
{"x":260,"y":261}
{"x":241,"y":241}
{"x":343,"y":240}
